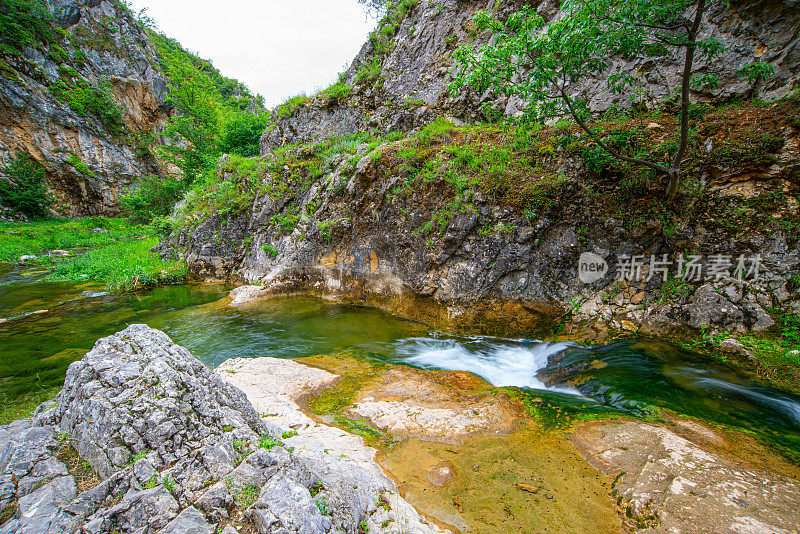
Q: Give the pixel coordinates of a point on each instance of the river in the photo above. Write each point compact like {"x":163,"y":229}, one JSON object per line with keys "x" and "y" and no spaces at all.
{"x":44,"y":326}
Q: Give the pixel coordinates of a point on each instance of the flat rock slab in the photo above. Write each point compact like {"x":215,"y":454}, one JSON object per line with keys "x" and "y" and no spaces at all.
{"x":340,"y":459}
{"x":441,"y":405}
{"x":672,"y":485}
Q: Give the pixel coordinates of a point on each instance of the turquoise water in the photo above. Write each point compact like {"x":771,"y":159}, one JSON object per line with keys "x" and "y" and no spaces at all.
{"x":49,"y":325}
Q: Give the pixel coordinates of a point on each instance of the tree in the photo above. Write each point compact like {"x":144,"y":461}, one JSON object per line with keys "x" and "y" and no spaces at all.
{"x":24,"y":188}
{"x":544,"y":64}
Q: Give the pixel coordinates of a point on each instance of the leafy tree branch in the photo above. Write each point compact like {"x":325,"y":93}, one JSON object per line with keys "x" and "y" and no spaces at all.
{"x":549,"y":65}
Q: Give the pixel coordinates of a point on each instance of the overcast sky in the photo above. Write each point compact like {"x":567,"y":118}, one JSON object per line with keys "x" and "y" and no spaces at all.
{"x":278,"y":48}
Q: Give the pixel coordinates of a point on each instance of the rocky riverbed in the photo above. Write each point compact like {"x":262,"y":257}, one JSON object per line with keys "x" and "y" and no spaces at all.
{"x":145,"y":438}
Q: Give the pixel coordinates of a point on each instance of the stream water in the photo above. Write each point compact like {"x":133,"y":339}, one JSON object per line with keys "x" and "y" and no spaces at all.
{"x":44,"y":326}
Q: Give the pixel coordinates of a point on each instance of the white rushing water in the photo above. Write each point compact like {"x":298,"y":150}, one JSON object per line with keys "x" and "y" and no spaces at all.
{"x":501,"y":364}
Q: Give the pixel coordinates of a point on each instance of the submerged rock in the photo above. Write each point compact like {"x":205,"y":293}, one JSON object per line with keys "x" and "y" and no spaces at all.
{"x":671,"y":484}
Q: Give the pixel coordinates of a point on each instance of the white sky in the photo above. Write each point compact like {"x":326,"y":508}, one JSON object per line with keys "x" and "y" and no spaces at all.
{"x":278,"y":48}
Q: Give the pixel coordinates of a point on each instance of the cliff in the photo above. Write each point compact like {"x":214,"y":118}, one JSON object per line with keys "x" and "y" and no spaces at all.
{"x":483,"y":226}
{"x":400,"y":78}
{"x":87,"y":103}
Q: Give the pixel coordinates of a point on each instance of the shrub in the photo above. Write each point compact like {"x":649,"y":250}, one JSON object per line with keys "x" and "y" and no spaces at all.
{"x":154,"y":197}
{"x":23,"y":23}
{"x":242,"y":136}
{"x":80,"y":166}
{"x":25,"y":187}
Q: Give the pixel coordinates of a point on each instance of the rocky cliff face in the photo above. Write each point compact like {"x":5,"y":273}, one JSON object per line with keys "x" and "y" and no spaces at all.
{"x":484,"y":226}
{"x":89,"y":159}
{"x":506,"y":260}
{"x":401,"y":76}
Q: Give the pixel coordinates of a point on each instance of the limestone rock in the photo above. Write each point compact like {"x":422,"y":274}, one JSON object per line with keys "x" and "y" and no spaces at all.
{"x":39,"y":124}
{"x":672,"y":485}
{"x":177,"y":448}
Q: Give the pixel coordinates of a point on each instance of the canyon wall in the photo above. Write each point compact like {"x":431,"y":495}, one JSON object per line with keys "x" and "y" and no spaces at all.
{"x":89,"y":158}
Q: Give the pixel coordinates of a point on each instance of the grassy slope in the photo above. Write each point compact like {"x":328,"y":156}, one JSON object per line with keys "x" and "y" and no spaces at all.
{"x":120,"y":259}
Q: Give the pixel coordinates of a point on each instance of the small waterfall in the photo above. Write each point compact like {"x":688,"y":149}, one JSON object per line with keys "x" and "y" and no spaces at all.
{"x":500,"y":362}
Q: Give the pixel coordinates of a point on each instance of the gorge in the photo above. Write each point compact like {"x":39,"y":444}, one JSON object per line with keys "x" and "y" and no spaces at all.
{"x":365,"y":310}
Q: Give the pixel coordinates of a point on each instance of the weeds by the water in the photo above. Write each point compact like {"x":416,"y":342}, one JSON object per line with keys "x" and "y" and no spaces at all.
{"x":105,"y":251}
{"x":121,"y":266}
{"x":35,"y":238}
{"x":13,"y":409}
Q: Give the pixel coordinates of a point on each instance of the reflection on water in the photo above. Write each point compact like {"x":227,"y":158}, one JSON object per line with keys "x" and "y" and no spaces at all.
{"x":283,"y":328}
{"x":36,"y":349}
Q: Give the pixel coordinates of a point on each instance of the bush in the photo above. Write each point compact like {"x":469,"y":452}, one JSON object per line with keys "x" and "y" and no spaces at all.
{"x":242,"y":136}
{"x":23,"y":23}
{"x":154,"y":197}
{"x":25,"y":187}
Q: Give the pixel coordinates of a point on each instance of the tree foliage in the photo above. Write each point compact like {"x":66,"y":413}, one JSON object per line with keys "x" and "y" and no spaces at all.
{"x":23,"y":23}
{"x":215,"y":114}
{"x":23,"y":187}
{"x":545,"y":63}
{"x":242,"y":135}
{"x":154,"y":197}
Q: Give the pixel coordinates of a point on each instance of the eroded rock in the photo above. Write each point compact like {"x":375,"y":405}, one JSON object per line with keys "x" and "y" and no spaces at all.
{"x":179,"y":449}
{"x":671,"y":484}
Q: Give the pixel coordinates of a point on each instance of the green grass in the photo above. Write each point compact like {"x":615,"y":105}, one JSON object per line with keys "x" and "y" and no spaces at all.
{"x":12,"y":409}
{"x":120,"y":259}
{"x":290,"y":106}
{"x":34,"y":238}
{"x":126,"y":265}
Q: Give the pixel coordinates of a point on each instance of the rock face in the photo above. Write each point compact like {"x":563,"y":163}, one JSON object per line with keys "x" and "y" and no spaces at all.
{"x":88,"y":163}
{"x":177,"y":449}
{"x":670,"y":484}
{"x":402,"y":82}
{"x":366,"y":229}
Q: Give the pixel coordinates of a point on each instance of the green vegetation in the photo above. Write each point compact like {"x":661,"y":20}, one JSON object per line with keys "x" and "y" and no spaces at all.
{"x":84,"y":98}
{"x":120,"y":259}
{"x":126,"y":265}
{"x":268,"y":442}
{"x":80,"y":166}
{"x":153,"y":197}
{"x":776,"y":352}
{"x":24,"y":23}
{"x":243,"y":496}
{"x":322,"y":505}
{"x":20,"y":239}
{"x":336,"y":93}
{"x":242,"y":135}
{"x":290,"y":106}
{"x":556,"y":56}
{"x":230,"y":192}
{"x":23,"y":186}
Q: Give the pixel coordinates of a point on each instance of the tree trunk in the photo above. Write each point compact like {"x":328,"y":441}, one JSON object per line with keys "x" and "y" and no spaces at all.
{"x":672,"y":185}
{"x":675,"y":169}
